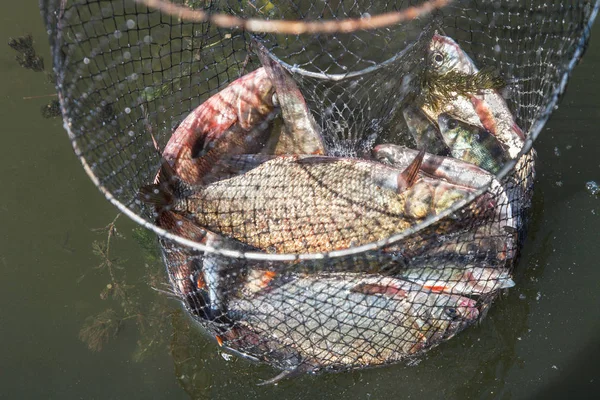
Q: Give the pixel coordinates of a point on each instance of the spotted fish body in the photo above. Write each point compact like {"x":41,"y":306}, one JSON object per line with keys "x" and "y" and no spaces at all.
{"x":472,"y":144}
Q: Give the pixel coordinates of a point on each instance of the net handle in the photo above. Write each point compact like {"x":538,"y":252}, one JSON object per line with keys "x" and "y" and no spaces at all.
{"x":296,"y":27}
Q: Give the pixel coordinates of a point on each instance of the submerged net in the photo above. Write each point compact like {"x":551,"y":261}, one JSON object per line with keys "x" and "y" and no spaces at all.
{"x":298,"y":221}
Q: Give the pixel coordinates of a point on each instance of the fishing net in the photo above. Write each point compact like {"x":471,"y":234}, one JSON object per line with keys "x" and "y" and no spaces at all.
{"x":298,"y":221}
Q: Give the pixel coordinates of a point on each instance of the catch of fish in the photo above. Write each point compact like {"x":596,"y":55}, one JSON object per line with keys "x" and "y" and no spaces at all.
{"x":232,"y":177}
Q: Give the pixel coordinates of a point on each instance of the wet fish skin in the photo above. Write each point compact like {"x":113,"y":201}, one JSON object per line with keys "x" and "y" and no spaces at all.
{"x":299,"y":204}
{"x":235,"y":120}
{"x":451,"y":277}
{"x":425,"y":134}
{"x":472,"y":144}
{"x":300,"y":134}
{"x":486,"y":109}
{"x":447,"y":168}
{"x":311,"y":314}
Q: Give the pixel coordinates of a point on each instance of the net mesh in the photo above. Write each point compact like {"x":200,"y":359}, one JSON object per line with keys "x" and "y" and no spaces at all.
{"x":298,"y":221}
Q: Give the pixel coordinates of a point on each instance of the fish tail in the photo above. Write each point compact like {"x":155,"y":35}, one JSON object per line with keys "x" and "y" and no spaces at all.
{"x":156,"y":195}
{"x":163,"y":193}
{"x":409,"y":176}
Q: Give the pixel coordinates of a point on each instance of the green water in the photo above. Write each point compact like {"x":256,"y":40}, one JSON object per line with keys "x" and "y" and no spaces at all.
{"x":539,"y":341}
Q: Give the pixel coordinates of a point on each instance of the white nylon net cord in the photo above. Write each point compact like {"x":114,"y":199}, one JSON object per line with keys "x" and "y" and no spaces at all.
{"x":282,"y":252}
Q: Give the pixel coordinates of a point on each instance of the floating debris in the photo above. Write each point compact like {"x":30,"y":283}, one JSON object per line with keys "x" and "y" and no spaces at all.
{"x":593,"y":188}
{"x":51,"y":110}
{"x":28,"y":58}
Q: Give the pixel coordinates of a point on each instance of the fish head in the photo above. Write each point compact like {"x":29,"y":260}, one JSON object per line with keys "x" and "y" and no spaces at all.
{"x":450,"y":128}
{"x":443,"y":315}
{"x":445,"y":55}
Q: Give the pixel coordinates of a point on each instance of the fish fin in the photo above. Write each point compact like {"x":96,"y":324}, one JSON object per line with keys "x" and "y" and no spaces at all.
{"x":156,"y":195}
{"x":290,"y":373}
{"x":409,"y":176}
{"x":162,"y":194}
{"x":435,"y":288}
{"x":155,"y":144}
{"x":506,"y":283}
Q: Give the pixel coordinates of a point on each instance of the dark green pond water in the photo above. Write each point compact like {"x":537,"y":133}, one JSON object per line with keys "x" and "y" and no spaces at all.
{"x":538,"y":341}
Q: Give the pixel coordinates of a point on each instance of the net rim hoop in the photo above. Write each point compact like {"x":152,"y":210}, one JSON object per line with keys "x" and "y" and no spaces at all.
{"x":534,"y":132}
{"x":349,"y":75}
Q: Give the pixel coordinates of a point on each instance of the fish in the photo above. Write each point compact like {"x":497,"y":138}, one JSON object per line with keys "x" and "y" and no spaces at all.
{"x":451,"y":170}
{"x":490,"y":237}
{"x":235,"y":120}
{"x":300,"y":133}
{"x":299,"y":204}
{"x":472,"y":144}
{"x":346,"y":320}
{"x":465,"y":279}
{"x":426,"y":135}
{"x":446,"y":168}
{"x":481,"y":105}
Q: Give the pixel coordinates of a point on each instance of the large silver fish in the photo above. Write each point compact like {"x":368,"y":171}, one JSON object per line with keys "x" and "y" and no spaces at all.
{"x":346,"y":320}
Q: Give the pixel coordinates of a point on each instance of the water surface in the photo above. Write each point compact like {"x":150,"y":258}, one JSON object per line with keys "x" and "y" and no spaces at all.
{"x":538,"y":341}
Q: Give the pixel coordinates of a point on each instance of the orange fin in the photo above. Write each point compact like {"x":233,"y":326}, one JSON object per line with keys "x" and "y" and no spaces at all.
{"x":435,"y":288}
{"x":409,"y":176}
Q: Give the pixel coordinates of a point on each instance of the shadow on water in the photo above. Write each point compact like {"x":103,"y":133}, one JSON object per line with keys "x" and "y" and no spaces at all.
{"x":538,"y":340}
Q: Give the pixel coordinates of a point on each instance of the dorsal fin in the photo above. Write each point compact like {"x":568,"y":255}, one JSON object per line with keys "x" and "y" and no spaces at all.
{"x":409,"y":176}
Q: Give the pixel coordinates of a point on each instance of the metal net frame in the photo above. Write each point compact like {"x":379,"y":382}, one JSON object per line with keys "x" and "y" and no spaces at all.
{"x":290,"y":253}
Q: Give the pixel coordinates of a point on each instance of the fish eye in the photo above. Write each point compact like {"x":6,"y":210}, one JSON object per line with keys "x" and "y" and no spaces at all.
{"x":451,"y":312}
{"x":384,"y":158}
{"x":275,"y":100}
{"x":437,"y":58}
{"x":452,"y":124}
